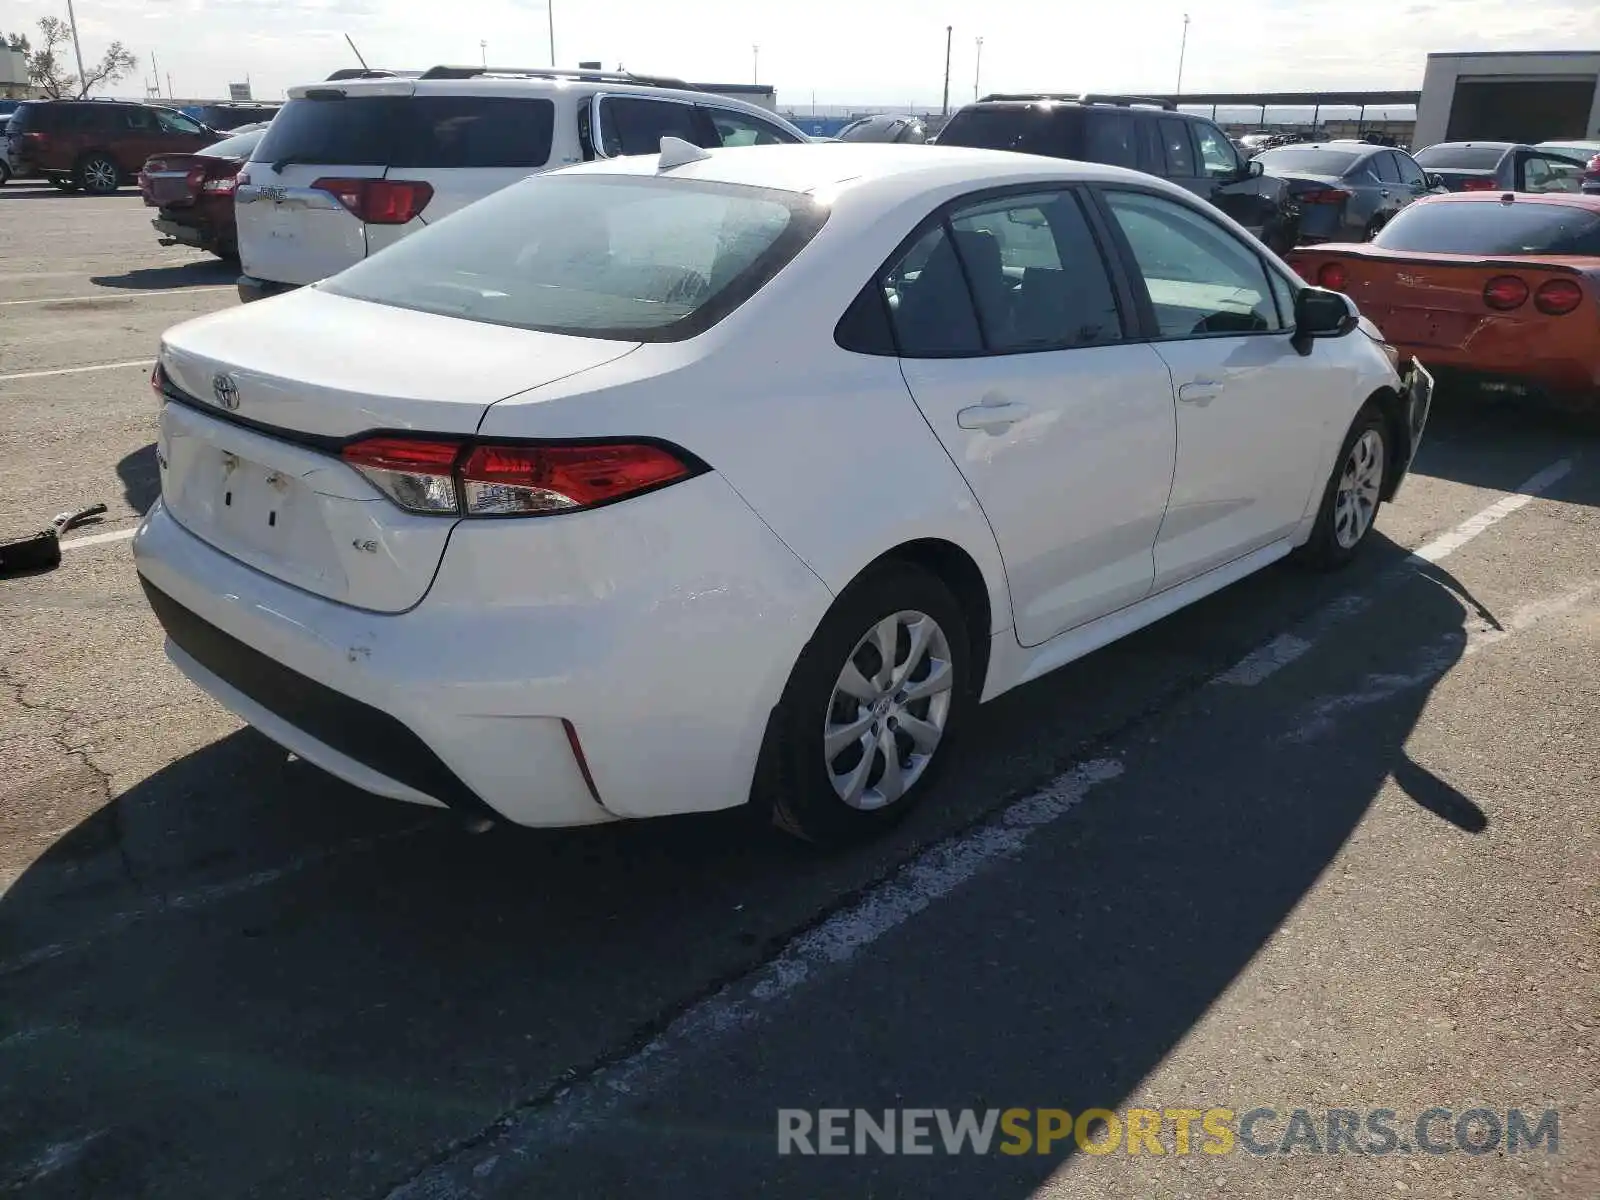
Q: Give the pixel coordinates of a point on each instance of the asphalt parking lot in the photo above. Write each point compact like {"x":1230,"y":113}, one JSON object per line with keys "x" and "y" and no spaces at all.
{"x":1318,"y":842}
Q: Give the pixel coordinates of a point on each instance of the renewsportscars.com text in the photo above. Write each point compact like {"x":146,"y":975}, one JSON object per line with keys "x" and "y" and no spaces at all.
{"x":1160,"y":1131}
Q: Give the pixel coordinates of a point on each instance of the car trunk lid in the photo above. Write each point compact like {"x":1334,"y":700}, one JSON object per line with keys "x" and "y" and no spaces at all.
{"x":176,"y":180}
{"x":1438,"y":300}
{"x":263,"y":397}
{"x":291,"y":230}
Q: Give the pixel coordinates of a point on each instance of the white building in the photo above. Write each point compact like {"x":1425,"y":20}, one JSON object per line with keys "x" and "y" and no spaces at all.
{"x":1523,"y":96}
{"x":13,"y":73}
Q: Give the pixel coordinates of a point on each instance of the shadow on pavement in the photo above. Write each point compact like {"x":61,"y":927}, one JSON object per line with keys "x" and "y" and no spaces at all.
{"x":141,"y":478}
{"x":1487,"y":445}
{"x":205,"y":273}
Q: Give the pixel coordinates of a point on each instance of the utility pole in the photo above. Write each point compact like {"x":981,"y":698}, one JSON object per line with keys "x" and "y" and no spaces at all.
{"x":944,"y":110}
{"x":550,"y":9}
{"x":977,"y":71}
{"x":1182,"y":46}
{"x":483,"y":49}
{"x":755,"y":64}
{"x":155,"y":70}
{"x":169,"y":85}
{"x":78,"y":50}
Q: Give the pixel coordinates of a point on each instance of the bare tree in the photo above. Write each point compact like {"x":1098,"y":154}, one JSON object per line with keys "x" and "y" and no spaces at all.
{"x":48,"y":67}
{"x":17,"y":42}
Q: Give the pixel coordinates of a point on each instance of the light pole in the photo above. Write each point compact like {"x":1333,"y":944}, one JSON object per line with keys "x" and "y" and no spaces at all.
{"x":1182,"y":46}
{"x":944,"y":109}
{"x":977,"y":71}
{"x":550,"y":8}
{"x":483,"y":48}
{"x":78,"y":50}
{"x":755,"y":63}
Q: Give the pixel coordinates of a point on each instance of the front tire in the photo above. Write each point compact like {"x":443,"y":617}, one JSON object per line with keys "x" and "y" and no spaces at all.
{"x":98,"y":175}
{"x":1350,"y":501}
{"x":866,"y":718}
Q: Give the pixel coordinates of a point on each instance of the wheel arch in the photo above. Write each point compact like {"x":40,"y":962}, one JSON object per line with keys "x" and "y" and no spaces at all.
{"x":1389,"y":403}
{"x":959,"y":572}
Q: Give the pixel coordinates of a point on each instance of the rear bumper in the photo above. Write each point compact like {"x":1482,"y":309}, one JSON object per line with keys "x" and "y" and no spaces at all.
{"x":251,"y":288}
{"x":1527,"y":372}
{"x":664,"y":664}
{"x":1531,"y":389}
{"x":188,"y":235}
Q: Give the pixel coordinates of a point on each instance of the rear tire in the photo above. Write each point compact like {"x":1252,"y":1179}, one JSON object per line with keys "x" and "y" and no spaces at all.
{"x":98,"y":175}
{"x":5,"y":172}
{"x":1350,"y":502}
{"x":845,"y":695}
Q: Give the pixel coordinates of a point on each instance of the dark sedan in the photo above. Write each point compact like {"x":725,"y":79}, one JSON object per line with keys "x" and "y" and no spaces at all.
{"x":1346,"y":191}
{"x":195,"y":193}
{"x":1501,"y":167}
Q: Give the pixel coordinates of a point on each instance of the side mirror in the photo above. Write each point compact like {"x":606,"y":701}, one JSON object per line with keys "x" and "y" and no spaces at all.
{"x":1253,"y":169}
{"x":1319,"y":313}
{"x":1435,"y":180}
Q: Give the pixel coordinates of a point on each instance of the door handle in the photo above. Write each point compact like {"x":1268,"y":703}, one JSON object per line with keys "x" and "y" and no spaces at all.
{"x":991,"y":416}
{"x":1383,"y":191}
{"x":1201,"y":391}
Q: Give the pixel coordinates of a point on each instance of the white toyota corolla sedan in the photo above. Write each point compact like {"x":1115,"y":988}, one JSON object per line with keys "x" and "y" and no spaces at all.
{"x":675,"y":483}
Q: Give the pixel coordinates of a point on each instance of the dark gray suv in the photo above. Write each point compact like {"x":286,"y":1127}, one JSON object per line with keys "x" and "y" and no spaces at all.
{"x":1138,"y":132}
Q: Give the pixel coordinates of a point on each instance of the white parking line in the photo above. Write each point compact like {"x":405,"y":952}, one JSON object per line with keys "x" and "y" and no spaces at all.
{"x":133,"y":362}
{"x":1267,"y":659}
{"x":122,"y":294}
{"x":929,"y":877}
{"x":96,"y":539}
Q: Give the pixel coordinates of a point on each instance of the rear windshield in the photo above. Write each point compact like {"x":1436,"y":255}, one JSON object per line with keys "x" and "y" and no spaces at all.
{"x":238,"y":146}
{"x":1493,"y":228}
{"x":411,"y":131}
{"x":1303,"y":158}
{"x":1027,"y":130}
{"x":626,"y":257}
{"x":22,"y":119}
{"x":1456,"y":158}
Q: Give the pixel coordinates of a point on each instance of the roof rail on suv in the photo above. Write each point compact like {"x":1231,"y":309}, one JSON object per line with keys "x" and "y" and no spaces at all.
{"x":448,"y":72}
{"x":1086,"y":98}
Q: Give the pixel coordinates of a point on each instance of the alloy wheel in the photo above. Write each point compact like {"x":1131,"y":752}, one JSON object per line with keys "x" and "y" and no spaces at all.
{"x":888,"y":711}
{"x":100,"y":175}
{"x":1356,"y":502}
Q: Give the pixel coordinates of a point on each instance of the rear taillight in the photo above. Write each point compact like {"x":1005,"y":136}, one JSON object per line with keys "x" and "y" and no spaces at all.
{"x":1505,"y":292}
{"x":222,"y":185}
{"x":1333,"y":276}
{"x":379,"y":201}
{"x":158,"y":381}
{"x":37,"y":140}
{"x":1323,"y":196}
{"x":1558,"y":297}
{"x":195,"y":177}
{"x":464,"y":479}
{"x":1300,"y":268}
{"x":1591,"y":173}
{"x":1477,"y":185}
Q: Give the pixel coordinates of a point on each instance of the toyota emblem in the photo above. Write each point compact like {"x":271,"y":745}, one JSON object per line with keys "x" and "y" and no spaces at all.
{"x":226,"y":391}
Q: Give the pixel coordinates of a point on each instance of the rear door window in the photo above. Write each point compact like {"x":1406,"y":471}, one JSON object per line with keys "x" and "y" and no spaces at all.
{"x":928,"y":300}
{"x":1111,"y":137}
{"x":1176,"y":148}
{"x":411,"y":131}
{"x":1410,"y":174}
{"x":633,"y":125}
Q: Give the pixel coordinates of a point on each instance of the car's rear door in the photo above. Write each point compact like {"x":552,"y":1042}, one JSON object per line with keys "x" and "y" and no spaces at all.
{"x":1020,"y":352}
{"x":290,"y":230}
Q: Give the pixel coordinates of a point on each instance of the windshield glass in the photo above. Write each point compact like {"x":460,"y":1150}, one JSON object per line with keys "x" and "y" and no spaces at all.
{"x":1027,"y":130}
{"x":1304,"y":158}
{"x":1525,"y":227}
{"x":1457,"y":158}
{"x":626,"y":257}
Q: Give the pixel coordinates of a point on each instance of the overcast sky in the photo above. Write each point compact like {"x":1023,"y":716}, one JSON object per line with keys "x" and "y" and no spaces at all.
{"x":888,"y":52}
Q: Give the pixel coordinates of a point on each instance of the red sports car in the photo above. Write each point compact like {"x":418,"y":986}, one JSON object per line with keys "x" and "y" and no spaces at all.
{"x":195,"y":192}
{"x":1500,"y":291}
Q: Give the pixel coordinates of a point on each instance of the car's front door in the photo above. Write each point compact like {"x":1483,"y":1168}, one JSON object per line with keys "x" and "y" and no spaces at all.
{"x":1254,"y":416}
{"x":1227,"y":183}
{"x":1021,"y":355}
{"x":1413,"y":179}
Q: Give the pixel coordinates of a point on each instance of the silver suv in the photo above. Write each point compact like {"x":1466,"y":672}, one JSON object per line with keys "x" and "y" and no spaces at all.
{"x":351,"y":166}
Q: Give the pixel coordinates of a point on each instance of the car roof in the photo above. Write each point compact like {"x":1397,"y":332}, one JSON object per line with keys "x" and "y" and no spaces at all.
{"x":1342,"y":145}
{"x":815,"y":166}
{"x":492,"y":84}
{"x":1566,"y":199}
{"x":1478,"y":146}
